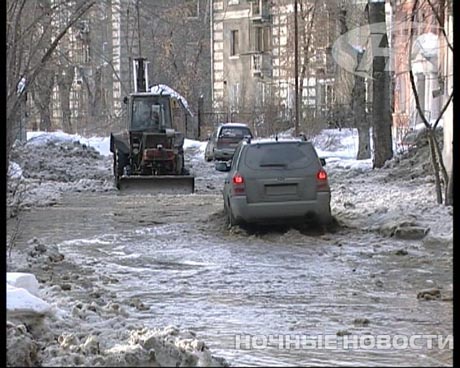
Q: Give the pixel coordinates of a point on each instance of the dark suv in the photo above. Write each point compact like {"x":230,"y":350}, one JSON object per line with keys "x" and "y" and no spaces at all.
{"x":223,"y":141}
{"x":276,"y":181}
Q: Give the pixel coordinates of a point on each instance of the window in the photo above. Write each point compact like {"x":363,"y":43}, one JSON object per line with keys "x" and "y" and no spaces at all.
{"x":192,"y":8}
{"x":234,"y":96}
{"x":258,"y":39}
{"x":235,"y":132}
{"x":267,"y":39}
{"x":290,"y":156}
{"x":233,"y":2}
{"x":261,"y":39}
{"x":234,"y":47}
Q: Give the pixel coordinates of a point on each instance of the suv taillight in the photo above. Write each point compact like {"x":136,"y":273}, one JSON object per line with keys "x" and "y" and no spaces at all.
{"x":321,"y":175}
{"x":321,"y":181}
{"x":238,"y":187}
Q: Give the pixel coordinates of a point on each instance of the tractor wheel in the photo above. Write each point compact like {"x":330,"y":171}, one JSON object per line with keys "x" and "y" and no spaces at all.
{"x":119,"y":162}
{"x":180,"y":169}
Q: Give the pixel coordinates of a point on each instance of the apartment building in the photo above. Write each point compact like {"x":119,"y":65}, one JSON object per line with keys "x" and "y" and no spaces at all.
{"x":252,"y":51}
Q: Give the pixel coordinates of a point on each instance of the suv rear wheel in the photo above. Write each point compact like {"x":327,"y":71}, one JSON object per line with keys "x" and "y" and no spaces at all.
{"x":231,"y":220}
{"x":326,"y":217}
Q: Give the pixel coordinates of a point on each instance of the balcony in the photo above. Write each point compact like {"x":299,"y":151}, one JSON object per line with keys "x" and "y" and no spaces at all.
{"x":260,"y":11}
{"x":257,"y":65}
{"x":261,"y":65}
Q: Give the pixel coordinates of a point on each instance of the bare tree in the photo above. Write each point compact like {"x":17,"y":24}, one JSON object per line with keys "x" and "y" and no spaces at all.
{"x":176,"y":41}
{"x":435,"y":150}
{"x":381,"y":109}
{"x":29,"y":49}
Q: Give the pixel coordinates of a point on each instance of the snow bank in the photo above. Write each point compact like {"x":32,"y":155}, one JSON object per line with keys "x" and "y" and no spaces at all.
{"x":19,"y":300}
{"x":99,"y":332}
{"x":49,"y":164}
{"x":23,"y":280}
{"x":190,"y":144}
{"x":14,"y":171}
{"x":101,"y":144}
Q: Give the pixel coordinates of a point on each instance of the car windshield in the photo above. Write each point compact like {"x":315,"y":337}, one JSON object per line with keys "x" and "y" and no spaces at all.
{"x":283,"y":155}
{"x":234,"y":132}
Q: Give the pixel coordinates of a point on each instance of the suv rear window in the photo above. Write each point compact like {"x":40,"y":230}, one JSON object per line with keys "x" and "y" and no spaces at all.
{"x":234,"y":132}
{"x":283,"y":155}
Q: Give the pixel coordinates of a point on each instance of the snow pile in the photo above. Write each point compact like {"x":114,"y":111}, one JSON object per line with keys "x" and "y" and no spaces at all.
{"x":398,"y":200}
{"x":43,"y":333}
{"x":14,"y":171}
{"x":24,"y":281}
{"x":196,"y":146}
{"x":48,"y":165}
{"x":21,"y":301}
{"x":101,"y":144}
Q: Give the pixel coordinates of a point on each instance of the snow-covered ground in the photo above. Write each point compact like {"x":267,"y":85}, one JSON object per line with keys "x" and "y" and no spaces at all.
{"x":51,"y":164}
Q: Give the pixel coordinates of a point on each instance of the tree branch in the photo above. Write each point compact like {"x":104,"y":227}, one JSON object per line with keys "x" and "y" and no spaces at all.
{"x":438,"y":18}
{"x":17,"y":99}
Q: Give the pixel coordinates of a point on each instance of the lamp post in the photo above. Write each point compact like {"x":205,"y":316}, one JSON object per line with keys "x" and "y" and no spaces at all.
{"x":296,"y":71}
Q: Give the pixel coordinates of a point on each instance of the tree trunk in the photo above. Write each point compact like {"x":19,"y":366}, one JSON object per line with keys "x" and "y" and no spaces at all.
{"x":359,"y":115}
{"x":65,"y":84}
{"x":45,"y":119}
{"x":381,"y":109}
{"x":306,"y":35}
{"x":43,"y":90}
{"x":435,"y":164}
{"x":450,"y":188}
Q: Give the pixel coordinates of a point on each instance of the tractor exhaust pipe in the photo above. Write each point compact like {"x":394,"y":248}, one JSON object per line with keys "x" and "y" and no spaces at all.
{"x":141,"y":75}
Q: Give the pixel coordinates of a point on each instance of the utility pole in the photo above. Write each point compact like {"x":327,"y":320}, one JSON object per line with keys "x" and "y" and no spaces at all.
{"x":296,"y":71}
{"x":200,"y":116}
{"x":138,"y":29}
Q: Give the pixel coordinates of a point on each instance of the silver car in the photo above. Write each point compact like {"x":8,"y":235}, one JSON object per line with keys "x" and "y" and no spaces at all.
{"x":223,"y":141}
{"x":276,"y":181}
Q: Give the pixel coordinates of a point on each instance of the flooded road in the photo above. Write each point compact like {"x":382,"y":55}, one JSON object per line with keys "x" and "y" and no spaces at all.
{"x":175,"y":255}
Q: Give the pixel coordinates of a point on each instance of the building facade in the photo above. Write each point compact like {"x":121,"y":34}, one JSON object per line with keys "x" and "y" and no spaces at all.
{"x":425,"y":54}
{"x":252,"y":51}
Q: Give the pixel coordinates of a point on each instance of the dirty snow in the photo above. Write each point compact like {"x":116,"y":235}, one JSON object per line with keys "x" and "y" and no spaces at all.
{"x":398,"y":200}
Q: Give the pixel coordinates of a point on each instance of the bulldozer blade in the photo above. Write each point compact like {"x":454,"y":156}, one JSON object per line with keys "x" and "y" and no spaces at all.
{"x":161,"y":184}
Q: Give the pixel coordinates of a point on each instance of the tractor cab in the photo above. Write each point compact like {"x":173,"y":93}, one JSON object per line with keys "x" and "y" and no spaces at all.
{"x":149,"y":113}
